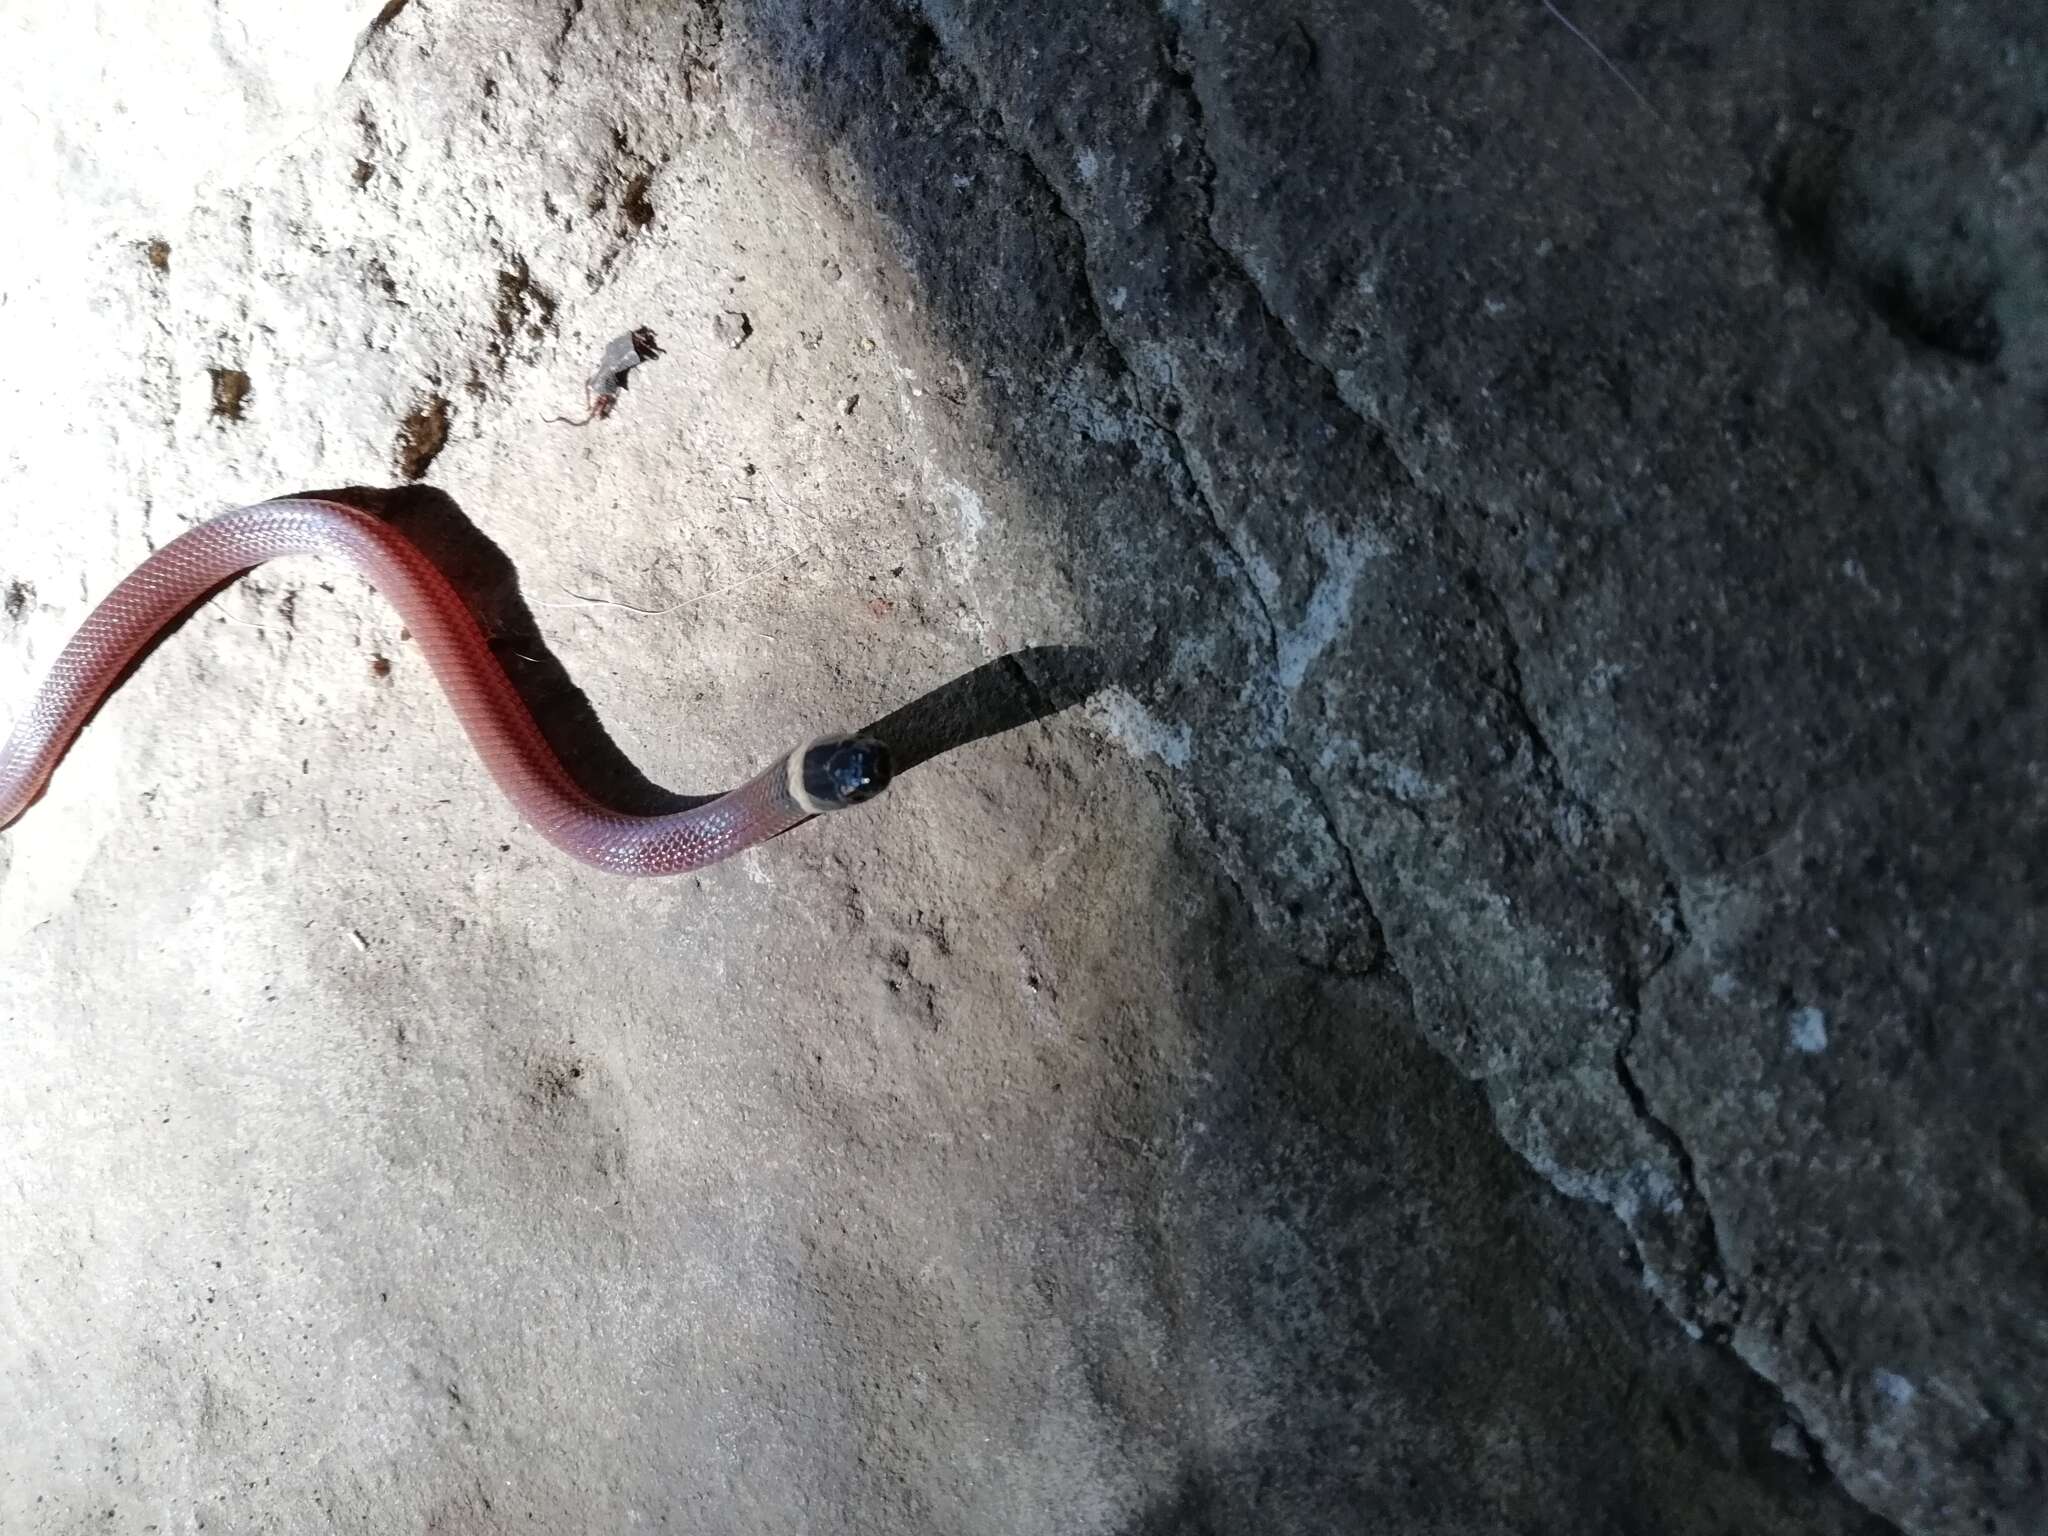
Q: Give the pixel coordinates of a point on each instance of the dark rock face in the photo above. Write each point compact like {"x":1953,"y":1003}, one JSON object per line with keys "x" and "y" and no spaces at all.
{"x":1576,"y":494}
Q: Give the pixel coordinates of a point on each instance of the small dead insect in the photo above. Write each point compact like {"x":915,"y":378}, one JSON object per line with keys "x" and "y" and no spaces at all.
{"x":621,"y":357}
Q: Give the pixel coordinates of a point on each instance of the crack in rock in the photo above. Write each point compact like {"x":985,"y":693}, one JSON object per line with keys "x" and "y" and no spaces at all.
{"x":1187,"y":486}
{"x":1710,"y":1304}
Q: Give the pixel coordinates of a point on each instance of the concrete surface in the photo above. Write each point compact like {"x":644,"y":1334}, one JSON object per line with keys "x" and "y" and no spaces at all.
{"x":1466,"y":956}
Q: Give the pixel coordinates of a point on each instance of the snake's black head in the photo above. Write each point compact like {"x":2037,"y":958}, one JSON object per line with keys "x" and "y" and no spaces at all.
{"x":843,"y":770}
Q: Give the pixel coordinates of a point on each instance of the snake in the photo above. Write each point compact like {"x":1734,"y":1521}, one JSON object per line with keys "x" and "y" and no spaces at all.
{"x":828,"y":773}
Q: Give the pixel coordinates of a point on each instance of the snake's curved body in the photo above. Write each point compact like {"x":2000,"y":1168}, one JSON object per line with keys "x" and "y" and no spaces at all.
{"x":816,"y":777}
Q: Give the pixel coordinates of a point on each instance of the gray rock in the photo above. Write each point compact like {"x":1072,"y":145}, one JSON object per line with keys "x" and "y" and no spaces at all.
{"x":1633,"y":582}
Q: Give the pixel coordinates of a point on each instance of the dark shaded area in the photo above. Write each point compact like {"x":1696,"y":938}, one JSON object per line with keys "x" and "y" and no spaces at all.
{"x":1938,"y":293}
{"x":1381,"y":1320}
{"x":1032,"y":684}
{"x":1596,"y":564}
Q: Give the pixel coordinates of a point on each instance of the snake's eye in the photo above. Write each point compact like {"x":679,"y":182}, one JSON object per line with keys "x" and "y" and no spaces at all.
{"x":845,"y":771}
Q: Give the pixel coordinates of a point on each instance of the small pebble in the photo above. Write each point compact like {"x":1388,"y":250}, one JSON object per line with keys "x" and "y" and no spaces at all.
{"x":846,"y":406}
{"x":732,"y":327}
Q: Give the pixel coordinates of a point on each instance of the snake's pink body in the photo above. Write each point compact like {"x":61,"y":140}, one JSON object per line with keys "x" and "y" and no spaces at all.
{"x":498,"y":722}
